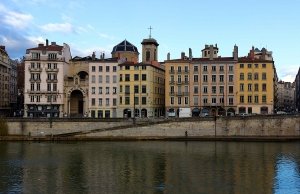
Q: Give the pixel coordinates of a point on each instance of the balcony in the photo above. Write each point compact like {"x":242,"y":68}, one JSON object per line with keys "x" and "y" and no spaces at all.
{"x":35,"y":69}
{"x":182,"y":82}
{"x":35,"y":80}
{"x":172,"y":82}
{"x":51,"y":80}
{"x":52,"y":70}
{"x":171,"y":71}
{"x":42,"y":92}
{"x":181,"y":93}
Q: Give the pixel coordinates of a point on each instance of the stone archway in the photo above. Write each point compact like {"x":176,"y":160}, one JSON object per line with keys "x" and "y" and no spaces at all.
{"x":76,"y":103}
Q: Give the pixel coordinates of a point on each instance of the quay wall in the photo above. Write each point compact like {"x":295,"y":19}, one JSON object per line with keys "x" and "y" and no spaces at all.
{"x":254,"y":126}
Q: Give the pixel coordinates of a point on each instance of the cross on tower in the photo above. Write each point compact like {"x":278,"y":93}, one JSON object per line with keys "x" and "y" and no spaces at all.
{"x":150,"y":28}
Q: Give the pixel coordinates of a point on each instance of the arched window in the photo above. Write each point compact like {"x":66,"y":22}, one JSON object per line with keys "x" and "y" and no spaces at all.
{"x":147,"y":55}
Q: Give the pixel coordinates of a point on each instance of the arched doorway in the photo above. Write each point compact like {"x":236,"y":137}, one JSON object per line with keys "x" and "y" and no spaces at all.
{"x":127,"y":113}
{"x":264,"y":110}
{"x":242,"y":110}
{"x":144,"y":113}
{"x":221,"y":112}
{"x":230,"y":112}
{"x":196,"y":112}
{"x":76,"y":104}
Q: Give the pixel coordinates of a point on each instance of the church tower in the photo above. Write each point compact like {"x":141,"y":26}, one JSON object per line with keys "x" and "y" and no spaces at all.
{"x":149,"y":49}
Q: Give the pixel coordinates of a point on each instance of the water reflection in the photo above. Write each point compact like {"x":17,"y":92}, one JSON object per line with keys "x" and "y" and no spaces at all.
{"x":149,"y":167}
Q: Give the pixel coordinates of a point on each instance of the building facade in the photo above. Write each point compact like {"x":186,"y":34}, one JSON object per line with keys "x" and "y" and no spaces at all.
{"x":141,"y":85}
{"x":286,"y":97}
{"x":8,"y":84}
{"x":45,"y":69}
{"x":255,"y":84}
{"x":297,"y":91}
{"x":204,"y":85}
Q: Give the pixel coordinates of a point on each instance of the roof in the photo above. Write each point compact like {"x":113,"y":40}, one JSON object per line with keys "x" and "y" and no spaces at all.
{"x":125,"y":46}
{"x":90,"y":59}
{"x":42,"y":47}
{"x":150,"y":41}
{"x":129,"y":63}
{"x":254,"y":60}
{"x":195,"y":60}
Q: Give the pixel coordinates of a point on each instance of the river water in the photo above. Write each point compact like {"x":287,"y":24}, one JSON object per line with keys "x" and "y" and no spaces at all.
{"x":150,"y":167}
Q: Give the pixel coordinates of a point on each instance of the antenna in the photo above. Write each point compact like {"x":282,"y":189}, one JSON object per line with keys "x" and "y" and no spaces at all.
{"x":150,"y":28}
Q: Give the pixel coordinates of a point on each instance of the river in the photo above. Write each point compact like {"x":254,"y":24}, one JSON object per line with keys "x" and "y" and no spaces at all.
{"x":150,"y":167}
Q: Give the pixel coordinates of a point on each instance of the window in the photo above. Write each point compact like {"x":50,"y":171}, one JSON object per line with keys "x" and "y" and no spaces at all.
{"x":241,"y":99}
{"x":136,"y":100}
{"x":221,"y":100}
{"x":172,"y":100}
{"x":249,"y":76}
{"x":256,"y":65}
{"x":205,"y":68}
{"x":204,"y":78}
{"x":144,"y":100}
{"x":107,"y":101}
{"x":127,"y":67}
{"x":127,"y":89}
{"x":93,"y":69}
{"x":205,"y":89}
{"x":241,"y":66}
{"x":114,"y":90}
{"x":136,"y":77}
{"x":121,"y":89}
{"x":121,"y":100}
{"x":264,"y":87}
{"x":263,"y":65}
{"x":204,"y":100}
{"x":249,"y":87}
{"x":196,"y":99}
{"x":249,"y":99}
{"x":179,"y":78}
{"x":255,"y":99}
{"x":196,"y":78}
{"x":213,"y":68}
{"x":241,"y":87}
{"x":107,"y":90}
{"x":38,"y":98}
{"x":121,"y":77}
{"x":107,"y":80}
{"x":241,"y":76}
{"x":31,"y":98}
{"x":127,"y":77}
{"x":230,"y":68}
{"x":144,"y":89}
{"x":196,"y":89}
{"x":100,"y":68}
{"x":93,"y":90}
{"x":35,"y":55}
{"x":172,"y":89}
{"x":249,"y":65}
{"x":114,"y":79}
{"x":107,"y":68}
{"x":100,"y":79}
{"x":186,"y":78}
{"x":179,"y":100}
{"x":127,"y":100}
{"x":213,"y":78}
{"x":221,"y":78}
{"x":172,"y":69}
{"x":93,"y":101}
{"x":186,"y":69}
{"x":256,"y":87}
{"x":255,"y":76}
{"x":38,"y":87}
{"x":230,"y":78}
{"x":213,"y":100}
{"x":32,"y":87}
{"x":222,"y":90}
{"x":48,"y":87}
{"x":144,"y":77}
{"x":114,"y":68}
{"x":213,"y":89}
{"x":114,"y":102}
{"x":230,"y":101}
{"x":93,"y":79}
{"x":179,"y":69}
{"x":230,"y":89}
{"x":195,"y":68}
{"x":136,"y":89}
{"x":264,"y":76}
{"x":264,"y":99}
{"x":186,"y":100}
{"x":222,"y":68}
{"x":147,"y":55}
{"x":100,"y":90}
{"x":100,"y":101}
{"x":52,"y":56}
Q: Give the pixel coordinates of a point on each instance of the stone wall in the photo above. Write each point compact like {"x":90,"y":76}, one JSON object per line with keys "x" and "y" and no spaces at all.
{"x":263,"y":126}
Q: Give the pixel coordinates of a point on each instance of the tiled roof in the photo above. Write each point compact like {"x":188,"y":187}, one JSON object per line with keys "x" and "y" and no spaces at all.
{"x":125,"y":46}
{"x":249,"y":60}
{"x":187,"y":60}
{"x":47,"y":48}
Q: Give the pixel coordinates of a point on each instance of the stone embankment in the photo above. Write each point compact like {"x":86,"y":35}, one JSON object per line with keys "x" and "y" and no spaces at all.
{"x":269,"y":127}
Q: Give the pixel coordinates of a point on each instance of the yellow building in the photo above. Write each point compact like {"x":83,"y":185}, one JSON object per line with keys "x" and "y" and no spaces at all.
{"x":141,"y":85}
{"x":255,"y":84}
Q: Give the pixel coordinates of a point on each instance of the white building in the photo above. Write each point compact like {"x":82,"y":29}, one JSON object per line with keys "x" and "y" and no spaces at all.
{"x":103,"y":87}
{"x":45,"y":68}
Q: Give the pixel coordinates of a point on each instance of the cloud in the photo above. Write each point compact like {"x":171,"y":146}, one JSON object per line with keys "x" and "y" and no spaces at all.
{"x":14,"y":19}
{"x":287,"y":74}
{"x":106,"y":36}
{"x":58,"y":27}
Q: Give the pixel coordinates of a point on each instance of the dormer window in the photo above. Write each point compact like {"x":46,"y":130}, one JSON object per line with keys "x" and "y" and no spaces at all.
{"x":35,"y":55}
{"x":52,"y":56}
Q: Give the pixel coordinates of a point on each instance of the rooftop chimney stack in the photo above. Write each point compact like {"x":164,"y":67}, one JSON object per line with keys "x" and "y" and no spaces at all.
{"x":211,"y":52}
{"x":182,"y":55}
{"x":47,"y":42}
{"x":190,"y":54}
{"x":93,"y":56}
{"x":168,"y":56}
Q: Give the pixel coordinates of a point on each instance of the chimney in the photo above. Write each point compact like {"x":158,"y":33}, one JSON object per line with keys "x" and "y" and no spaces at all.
{"x":40,"y":45}
{"x":211,"y":52}
{"x":53,"y":43}
{"x":47,"y":42}
{"x":2,"y":47}
{"x":252,"y":53}
{"x":182,"y":55}
{"x":168,"y":56}
{"x":235,"y":53}
{"x":103,"y":55}
{"x":264,"y":53}
{"x":190,"y":54}
{"x":93,"y":56}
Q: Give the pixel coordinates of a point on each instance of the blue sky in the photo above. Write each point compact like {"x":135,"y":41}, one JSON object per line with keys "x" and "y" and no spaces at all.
{"x":90,"y":25}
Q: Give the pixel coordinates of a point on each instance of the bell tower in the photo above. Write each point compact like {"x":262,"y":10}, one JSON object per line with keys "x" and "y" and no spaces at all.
{"x":149,"y":49}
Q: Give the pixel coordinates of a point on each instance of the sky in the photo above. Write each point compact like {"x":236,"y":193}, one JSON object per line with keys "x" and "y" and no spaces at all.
{"x":89,"y":25}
